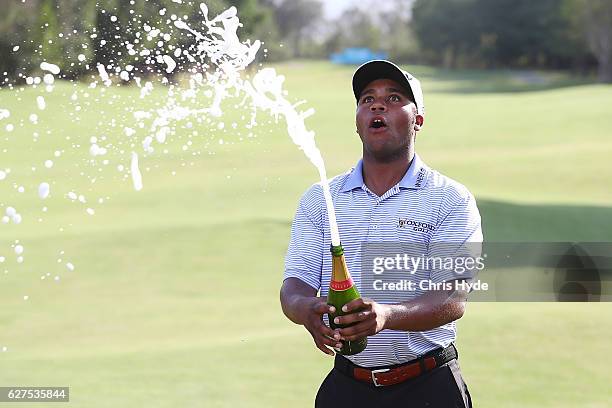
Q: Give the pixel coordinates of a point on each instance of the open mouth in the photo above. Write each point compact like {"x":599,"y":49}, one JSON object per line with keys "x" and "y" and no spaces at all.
{"x":378,"y":122}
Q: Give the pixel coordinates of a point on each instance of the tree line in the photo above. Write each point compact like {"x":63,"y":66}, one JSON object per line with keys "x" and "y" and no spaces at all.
{"x":560,"y":34}
{"x":556,"y":34}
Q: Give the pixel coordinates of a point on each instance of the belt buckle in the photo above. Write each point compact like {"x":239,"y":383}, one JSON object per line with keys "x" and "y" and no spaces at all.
{"x":374,"y":372}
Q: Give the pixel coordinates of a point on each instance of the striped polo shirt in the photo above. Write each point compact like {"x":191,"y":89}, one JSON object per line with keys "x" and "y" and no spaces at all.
{"x":424,"y":207}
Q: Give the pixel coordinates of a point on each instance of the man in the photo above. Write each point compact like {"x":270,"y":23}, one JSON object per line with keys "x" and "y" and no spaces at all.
{"x":390,"y":196}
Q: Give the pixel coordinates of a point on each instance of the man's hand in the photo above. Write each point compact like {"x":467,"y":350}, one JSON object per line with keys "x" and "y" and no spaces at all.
{"x":302,"y":306}
{"x":322,"y":335}
{"x":367,"y":316}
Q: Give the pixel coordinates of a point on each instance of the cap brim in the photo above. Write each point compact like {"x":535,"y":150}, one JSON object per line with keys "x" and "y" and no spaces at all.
{"x":379,"y":69}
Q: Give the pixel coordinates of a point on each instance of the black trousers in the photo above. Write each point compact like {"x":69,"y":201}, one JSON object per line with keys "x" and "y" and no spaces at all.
{"x":442,"y":387}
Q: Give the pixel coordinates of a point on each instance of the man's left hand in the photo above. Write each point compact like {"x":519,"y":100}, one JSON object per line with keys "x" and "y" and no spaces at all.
{"x":367,"y":316}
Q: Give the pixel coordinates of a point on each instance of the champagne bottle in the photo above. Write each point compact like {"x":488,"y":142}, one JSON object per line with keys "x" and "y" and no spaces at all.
{"x":341,"y":291}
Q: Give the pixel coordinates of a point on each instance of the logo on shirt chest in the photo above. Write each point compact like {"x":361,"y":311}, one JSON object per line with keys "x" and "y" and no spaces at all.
{"x":415,"y":225}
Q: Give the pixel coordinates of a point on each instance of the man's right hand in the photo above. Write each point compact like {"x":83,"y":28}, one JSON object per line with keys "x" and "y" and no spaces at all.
{"x":322,"y":335}
{"x":302,"y":306}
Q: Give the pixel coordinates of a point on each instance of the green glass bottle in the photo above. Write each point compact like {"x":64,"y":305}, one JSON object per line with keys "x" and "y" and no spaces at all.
{"x":341,"y":291}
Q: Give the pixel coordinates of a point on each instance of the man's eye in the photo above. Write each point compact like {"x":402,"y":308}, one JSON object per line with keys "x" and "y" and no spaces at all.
{"x":367,"y":99}
{"x":394,"y":98}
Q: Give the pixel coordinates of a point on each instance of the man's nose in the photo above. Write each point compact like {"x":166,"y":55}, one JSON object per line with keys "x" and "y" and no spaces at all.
{"x":378,"y":106}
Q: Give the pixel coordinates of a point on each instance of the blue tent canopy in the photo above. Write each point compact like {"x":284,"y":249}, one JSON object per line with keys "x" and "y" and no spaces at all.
{"x":356,"y":56}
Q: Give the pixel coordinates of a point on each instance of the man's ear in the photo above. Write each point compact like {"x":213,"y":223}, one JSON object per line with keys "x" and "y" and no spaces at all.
{"x":418,"y":123}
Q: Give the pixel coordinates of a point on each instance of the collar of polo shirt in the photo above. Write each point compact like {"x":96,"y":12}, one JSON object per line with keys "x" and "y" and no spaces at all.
{"x":413,"y":179}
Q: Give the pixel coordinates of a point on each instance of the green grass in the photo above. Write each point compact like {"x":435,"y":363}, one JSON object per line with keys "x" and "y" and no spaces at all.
{"x":174,"y":299}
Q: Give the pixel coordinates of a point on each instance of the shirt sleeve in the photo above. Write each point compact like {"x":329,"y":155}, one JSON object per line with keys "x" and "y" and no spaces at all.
{"x":304,"y":259}
{"x":457,"y":241}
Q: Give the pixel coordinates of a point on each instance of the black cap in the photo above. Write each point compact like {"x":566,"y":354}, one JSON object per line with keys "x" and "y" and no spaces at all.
{"x":379,"y":69}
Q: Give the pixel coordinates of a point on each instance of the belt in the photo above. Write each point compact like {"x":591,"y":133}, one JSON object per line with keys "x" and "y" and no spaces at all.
{"x":396,"y":374}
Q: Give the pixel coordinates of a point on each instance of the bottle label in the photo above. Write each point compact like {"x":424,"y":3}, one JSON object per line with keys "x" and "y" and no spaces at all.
{"x":341,"y":285}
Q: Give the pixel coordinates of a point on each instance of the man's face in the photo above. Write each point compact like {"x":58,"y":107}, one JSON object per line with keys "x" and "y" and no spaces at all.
{"x":386,"y":120}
